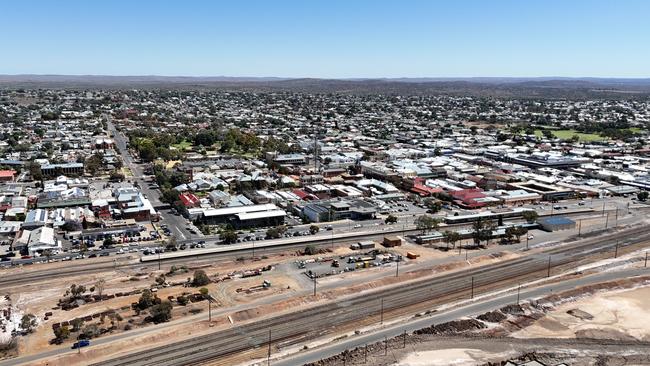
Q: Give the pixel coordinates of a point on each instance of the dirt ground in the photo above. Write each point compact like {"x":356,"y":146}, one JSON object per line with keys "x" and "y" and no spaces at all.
{"x":623,"y":314}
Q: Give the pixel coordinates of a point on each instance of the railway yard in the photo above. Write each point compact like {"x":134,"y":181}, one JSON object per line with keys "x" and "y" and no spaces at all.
{"x":294,"y":311}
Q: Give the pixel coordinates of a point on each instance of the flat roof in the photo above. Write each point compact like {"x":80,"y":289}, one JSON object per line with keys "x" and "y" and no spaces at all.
{"x":239,"y":209}
{"x":261,"y":214}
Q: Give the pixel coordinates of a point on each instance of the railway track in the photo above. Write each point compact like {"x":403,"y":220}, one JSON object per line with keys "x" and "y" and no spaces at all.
{"x":51,"y":274}
{"x":322,"y":319}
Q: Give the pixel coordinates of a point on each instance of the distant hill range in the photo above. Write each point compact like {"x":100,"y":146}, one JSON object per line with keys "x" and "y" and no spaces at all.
{"x":543,"y":87}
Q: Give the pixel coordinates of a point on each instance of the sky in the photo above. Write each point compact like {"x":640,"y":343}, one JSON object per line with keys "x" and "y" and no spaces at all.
{"x":327,"y":38}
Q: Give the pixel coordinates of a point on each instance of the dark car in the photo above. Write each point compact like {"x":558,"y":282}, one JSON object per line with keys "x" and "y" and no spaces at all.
{"x":81,"y":343}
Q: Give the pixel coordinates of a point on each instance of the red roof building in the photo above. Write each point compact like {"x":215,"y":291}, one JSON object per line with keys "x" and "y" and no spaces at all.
{"x":467,"y":198}
{"x":7,"y":175}
{"x":189,"y":200}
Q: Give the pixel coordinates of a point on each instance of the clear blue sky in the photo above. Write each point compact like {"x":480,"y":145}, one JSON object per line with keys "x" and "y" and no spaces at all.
{"x":327,"y":38}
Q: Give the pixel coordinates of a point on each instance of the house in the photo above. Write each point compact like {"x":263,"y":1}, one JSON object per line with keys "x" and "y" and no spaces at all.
{"x":7,"y":175}
{"x":36,"y":241}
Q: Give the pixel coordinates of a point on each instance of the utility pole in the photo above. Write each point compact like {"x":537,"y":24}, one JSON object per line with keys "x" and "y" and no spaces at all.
{"x":253,"y":250}
{"x":268,"y":356}
{"x":314,"y":278}
{"x":472,"y":287}
{"x":580,"y":228}
{"x":527,"y":236}
{"x":518,"y":291}
{"x":616,"y":250}
{"x":549,"y":267}
{"x":365,"y":354}
{"x":606,"y":221}
{"x":404,"y":338}
{"x":645,"y":264}
{"x":397,"y":270}
{"x":159,"y":250}
{"x":385,"y":346}
{"x":381,"y":319}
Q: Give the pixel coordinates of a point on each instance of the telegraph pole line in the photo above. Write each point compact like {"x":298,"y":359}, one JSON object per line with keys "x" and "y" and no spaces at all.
{"x":472,"y":296}
{"x":616,"y":250}
{"x":314,"y":286}
{"x":645,"y":264}
{"x":381,"y":319}
{"x":397,"y":270}
{"x":518,"y":291}
{"x":606,"y":220}
{"x":549,"y":267}
{"x":580,"y":228}
{"x":268,"y":356}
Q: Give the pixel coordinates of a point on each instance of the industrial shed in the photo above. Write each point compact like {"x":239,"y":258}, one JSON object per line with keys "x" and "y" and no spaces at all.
{"x":556,"y":223}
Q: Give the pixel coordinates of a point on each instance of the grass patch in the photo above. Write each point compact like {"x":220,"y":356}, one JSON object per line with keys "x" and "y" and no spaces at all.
{"x":567,"y":134}
{"x":183,"y":145}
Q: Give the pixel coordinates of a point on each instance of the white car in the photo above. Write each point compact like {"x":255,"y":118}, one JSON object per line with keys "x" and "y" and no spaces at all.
{"x":357,"y":226}
{"x":531,"y":237}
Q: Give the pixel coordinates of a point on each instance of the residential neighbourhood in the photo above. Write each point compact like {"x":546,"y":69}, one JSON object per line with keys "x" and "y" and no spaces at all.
{"x":316,"y":194}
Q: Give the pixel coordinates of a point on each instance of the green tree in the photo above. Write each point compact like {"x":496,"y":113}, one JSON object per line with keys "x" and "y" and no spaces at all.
{"x":391,"y":219}
{"x":61,"y":333}
{"x":451,"y":238}
{"x":530,"y":216}
{"x":642,"y":196}
{"x":28,"y":322}
{"x":162,"y":312}
{"x":146,"y":300}
{"x":426,"y":223}
{"x":229,"y":236}
{"x":310,"y":250}
{"x":313,"y":229}
{"x":200,"y":278}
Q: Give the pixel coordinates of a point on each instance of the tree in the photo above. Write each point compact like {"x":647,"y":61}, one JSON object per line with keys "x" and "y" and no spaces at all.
{"x":204,"y":292}
{"x":171,"y":243}
{"x":229,"y":236}
{"x":147,"y":299}
{"x":99,"y":286}
{"x":61,"y":333}
{"x":426,"y":223}
{"x":482,"y":230}
{"x":451,"y":237}
{"x":77,"y":290}
{"x":28,"y":322}
{"x":276,"y":232}
{"x":530,"y":216}
{"x":642,"y":196}
{"x":313,"y":229}
{"x":108,"y":242}
{"x":200,"y":278}
{"x":162,"y":312}
{"x":391,"y":219}
{"x":90,"y":331}
{"x":76,"y":324}
{"x":47,"y":253}
{"x":433,"y":205}
{"x":310,"y":250}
